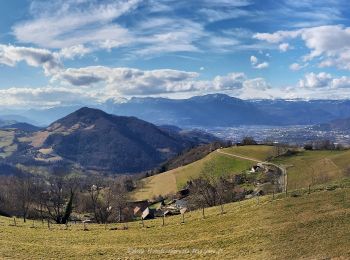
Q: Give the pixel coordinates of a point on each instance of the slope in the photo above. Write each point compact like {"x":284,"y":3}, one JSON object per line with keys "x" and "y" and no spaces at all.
{"x":171,"y":181}
{"x":314,"y":226}
{"x":315,"y":167}
{"x":103,"y":142}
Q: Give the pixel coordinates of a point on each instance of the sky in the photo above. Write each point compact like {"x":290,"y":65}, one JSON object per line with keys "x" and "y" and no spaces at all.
{"x":69,"y":52}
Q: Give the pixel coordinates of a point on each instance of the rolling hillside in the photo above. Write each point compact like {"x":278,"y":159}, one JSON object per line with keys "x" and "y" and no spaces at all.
{"x":315,"y":167}
{"x":303,"y":169}
{"x":171,"y":181}
{"x":314,"y":226}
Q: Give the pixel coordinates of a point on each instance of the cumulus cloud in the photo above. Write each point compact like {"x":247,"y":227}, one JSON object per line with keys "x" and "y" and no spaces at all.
{"x":11,"y":55}
{"x":329,"y":43}
{"x":313,"y":80}
{"x":229,"y":82}
{"x":256,"y":65}
{"x":128,"y":81}
{"x":323,"y":80}
{"x":97,"y":84}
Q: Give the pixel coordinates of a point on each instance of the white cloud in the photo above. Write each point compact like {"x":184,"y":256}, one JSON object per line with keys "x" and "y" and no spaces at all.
{"x":329,"y":43}
{"x":65,"y":24}
{"x":11,"y":55}
{"x":253,"y":60}
{"x":324,"y":80}
{"x":256,"y":65}
{"x":283,"y":47}
{"x":277,"y":37}
{"x":128,"y":81}
{"x":228,"y":82}
{"x":313,"y":80}
{"x":73,"y":51}
{"x":45,"y":97}
{"x":159,"y":28}
{"x":342,"y":82}
{"x":297,"y":66}
{"x":262,"y":65}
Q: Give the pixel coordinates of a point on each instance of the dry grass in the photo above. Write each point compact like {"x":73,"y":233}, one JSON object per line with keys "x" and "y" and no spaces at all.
{"x":258,"y":152}
{"x":315,"y":167}
{"x":173,"y":180}
{"x":312,"y":226}
{"x":7,"y":145}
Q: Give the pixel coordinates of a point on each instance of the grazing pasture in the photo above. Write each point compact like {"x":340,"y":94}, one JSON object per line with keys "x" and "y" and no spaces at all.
{"x":312,"y":226}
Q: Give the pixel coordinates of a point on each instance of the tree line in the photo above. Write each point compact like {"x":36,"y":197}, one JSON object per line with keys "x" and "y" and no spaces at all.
{"x":63,"y":197}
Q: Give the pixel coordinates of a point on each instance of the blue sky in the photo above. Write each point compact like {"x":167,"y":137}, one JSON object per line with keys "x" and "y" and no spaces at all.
{"x":55,"y":53}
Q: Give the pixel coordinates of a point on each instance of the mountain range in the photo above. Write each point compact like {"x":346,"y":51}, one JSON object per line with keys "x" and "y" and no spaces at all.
{"x":92,"y":140}
{"x":205,"y":111}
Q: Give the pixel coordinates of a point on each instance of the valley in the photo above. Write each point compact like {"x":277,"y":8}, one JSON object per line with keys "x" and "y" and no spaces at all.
{"x":246,"y":199}
{"x":174,"y":129}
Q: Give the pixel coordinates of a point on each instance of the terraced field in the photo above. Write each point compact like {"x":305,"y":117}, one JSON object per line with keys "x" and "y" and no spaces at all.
{"x":315,"y":226}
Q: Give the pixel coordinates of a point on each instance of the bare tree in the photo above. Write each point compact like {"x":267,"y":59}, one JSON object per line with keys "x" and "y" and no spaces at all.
{"x":59,"y":198}
{"x":120,"y":198}
{"x":23,"y":190}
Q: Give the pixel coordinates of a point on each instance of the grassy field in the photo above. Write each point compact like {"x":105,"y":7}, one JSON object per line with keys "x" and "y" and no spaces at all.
{"x":7,"y":147}
{"x":173,"y":180}
{"x":258,"y":152}
{"x":315,"y":167}
{"x":315,"y":226}
{"x":220,"y":164}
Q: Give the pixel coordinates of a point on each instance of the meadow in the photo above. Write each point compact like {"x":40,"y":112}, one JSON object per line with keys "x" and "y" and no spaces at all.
{"x":315,"y":167}
{"x":311,"y":226}
{"x":171,"y":181}
{"x":216,"y":164}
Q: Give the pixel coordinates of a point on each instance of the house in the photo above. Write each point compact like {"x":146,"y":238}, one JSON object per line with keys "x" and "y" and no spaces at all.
{"x":135,"y":208}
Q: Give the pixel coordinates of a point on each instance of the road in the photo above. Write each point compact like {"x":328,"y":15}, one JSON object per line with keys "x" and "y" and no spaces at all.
{"x":283,"y":181}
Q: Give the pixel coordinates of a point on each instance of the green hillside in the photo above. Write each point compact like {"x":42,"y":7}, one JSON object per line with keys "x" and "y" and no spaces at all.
{"x":315,"y":167}
{"x":171,"y":181}
{"x":314,"y":226}
{"x":258,"y":152}
{"x":220,"y":164}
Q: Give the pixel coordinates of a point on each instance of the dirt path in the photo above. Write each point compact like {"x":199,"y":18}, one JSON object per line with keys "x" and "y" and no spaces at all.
{"x":239,"y":156}
{"x":284,"y":177}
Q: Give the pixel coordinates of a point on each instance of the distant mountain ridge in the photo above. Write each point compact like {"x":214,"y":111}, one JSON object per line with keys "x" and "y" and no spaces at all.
{"x":94,"y":140}
{"x":335,"y":125}
{"x":213,"y":110}
{"x":21,"y":126}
